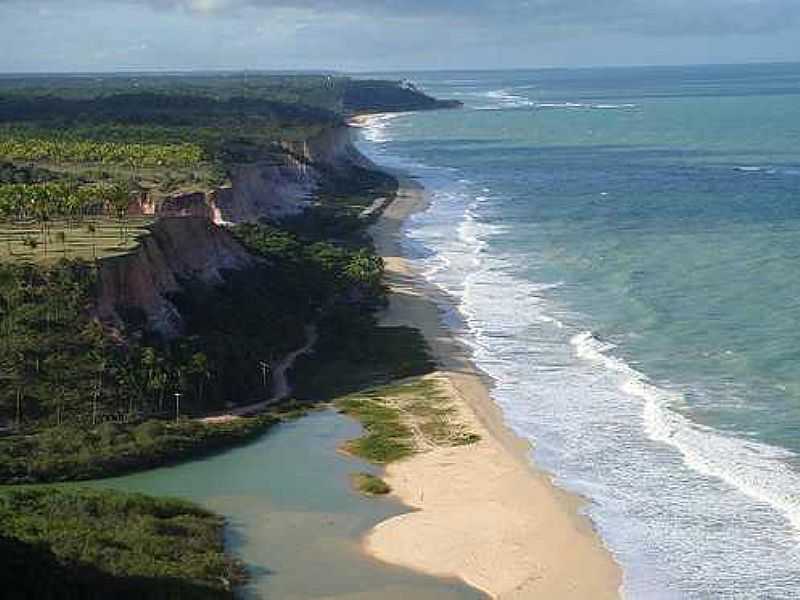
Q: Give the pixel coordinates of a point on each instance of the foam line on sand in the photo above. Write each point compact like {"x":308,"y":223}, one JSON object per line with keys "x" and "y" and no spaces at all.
{"x":483,"y":512}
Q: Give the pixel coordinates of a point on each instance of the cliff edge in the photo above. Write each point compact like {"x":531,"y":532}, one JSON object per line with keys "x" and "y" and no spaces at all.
{"x":189,"y":239}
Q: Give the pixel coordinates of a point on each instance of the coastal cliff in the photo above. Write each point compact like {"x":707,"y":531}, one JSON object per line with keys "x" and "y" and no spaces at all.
{"x":176,"y":249}
{"x":112,"y":363}
{"x":189,"y":240}
{"x":280,"y":185}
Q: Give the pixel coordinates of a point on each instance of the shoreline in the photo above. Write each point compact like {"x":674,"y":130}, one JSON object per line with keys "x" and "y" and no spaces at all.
{"x":480,"y":506}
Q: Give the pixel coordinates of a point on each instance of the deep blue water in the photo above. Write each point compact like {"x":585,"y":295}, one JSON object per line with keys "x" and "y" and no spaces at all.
{"x":621,"y":249}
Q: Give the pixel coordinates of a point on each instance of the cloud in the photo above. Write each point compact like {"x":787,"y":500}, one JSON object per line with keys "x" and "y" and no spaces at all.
{"x":658,"y":17}
{"x":391,"y":34}
{"x":208,"y":6}
{"x":662,"y":17}
{"x":88,"y":35}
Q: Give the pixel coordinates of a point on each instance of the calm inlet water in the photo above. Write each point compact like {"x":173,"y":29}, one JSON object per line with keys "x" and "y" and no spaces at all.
{"x":622,"y":249}
{"x":293,"y":518}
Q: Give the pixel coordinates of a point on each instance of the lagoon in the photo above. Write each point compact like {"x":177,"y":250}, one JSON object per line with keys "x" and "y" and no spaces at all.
{"x":293,"y":517}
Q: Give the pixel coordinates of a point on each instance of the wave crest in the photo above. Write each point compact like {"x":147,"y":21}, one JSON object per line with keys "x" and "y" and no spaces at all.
{"x":756,"y":469}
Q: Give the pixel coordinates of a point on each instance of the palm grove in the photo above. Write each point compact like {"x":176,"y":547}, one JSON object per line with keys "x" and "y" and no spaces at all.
{"x":78,"y":400}
{"x":82,"y":399}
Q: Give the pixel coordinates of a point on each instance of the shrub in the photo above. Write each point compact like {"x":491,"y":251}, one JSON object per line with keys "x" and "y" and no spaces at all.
{"x":371,"y":485}
{"x":148,"y":432}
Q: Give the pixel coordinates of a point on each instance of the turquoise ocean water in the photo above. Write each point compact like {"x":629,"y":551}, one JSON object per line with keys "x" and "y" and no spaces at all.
{"x":622,"y":251}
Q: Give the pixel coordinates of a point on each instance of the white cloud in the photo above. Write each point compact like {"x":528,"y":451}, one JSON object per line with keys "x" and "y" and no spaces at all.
{"x":208,"y":6}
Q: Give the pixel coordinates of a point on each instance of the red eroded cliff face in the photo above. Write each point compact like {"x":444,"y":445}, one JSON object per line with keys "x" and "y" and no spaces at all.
{"x":176,"y":249}
{"x":262,"y":190}
{"x":194,"y":204}
{"x":270,"y":188}
{"x":189,"y":239}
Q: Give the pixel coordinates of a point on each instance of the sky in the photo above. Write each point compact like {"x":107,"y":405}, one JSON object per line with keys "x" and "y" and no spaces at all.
{"x":382,"y":35}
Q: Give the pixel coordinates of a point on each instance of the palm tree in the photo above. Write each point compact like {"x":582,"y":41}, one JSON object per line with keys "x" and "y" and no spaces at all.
{"x":90,"y":227}
{"x":156,"y":380}
{"x":198,"y":367}
{"x":16,"y":374}
{"x":43,"y":216}
{"x":31,"y":242}
{"x":61,"y":236}
{"x":19,"y":407}
{"x":118,"y":196}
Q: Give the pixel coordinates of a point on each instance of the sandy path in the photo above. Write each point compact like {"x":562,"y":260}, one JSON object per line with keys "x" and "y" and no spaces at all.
{"x":281,"y":389}
{"x":485,"y":514}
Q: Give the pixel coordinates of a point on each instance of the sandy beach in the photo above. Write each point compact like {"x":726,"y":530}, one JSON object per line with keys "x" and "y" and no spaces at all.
{"x":484,"y":513}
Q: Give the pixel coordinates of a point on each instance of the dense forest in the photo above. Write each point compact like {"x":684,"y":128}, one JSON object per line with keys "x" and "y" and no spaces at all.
{"x":83,"y":544}
{"x":81,"y":398}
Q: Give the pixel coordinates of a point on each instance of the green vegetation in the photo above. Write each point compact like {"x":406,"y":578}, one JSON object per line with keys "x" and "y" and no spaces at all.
{"x":79,"y":158}
{"x":41,"y":221}
{"x":95,"y":152}
{"x":59,"y":543}
{"x":353,"y":353}
{"x":76,"y":400}
{"x":11,"y":173}
{"x":323,"y":271}
{"x":387,"y":438}
{"x":77,"y":403}
{"x":346,"y":193}
{"x":402,"y":419}
{"x":286,"y":95}
{"x":71,"y":452}
{"x":370,"y":485}
{"x":89,"y":239}
{"x":77,"y":146}
{"x":72,"y":163}
{"x":57,"y":364}
{"x":44,"y":201}
{"x":148,"y":137}
{"x":368,"y":96}
{"x":56,"y":358}
{"x":260,"y":314}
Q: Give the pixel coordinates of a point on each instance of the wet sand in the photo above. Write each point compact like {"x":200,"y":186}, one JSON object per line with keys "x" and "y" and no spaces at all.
{"x":484,"y":513}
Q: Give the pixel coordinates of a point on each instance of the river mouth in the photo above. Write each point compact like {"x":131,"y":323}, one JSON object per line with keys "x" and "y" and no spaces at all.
{"x":293,"y":517}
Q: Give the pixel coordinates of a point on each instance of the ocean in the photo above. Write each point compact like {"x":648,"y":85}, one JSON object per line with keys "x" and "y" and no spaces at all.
{"x":621,"y":250}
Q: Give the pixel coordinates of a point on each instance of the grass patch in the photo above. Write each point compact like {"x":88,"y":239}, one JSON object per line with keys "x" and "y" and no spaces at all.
{"x":404,"y":418}
{"x":59,"y":543}
{"x":91,"y":239}
{"x":370,"y":485}
{"x":72,"y":453}
{"x":387,"y":438}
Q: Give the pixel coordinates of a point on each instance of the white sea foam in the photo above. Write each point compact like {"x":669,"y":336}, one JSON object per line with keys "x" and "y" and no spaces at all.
{"x":548,"y":319}
{"x":501,"y":100}
{"x":517,"y":98}
{"x":768,"y":170}
{"x":614,"y":106}
{"x":759,"y":470}
{"x":374,"y":127}
{"x":583,"y":105}
{"x":689,"y":511}
{"x":561,"y":105}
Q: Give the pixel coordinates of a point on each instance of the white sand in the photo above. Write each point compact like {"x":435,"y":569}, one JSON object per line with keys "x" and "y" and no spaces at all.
{"x":484,"y":513}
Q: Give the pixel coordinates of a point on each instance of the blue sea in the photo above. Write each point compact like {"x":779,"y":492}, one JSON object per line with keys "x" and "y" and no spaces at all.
{"x":621,"y":250}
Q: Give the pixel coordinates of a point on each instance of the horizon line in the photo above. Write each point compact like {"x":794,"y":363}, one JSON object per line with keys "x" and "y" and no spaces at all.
{"x":339,"y":72}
